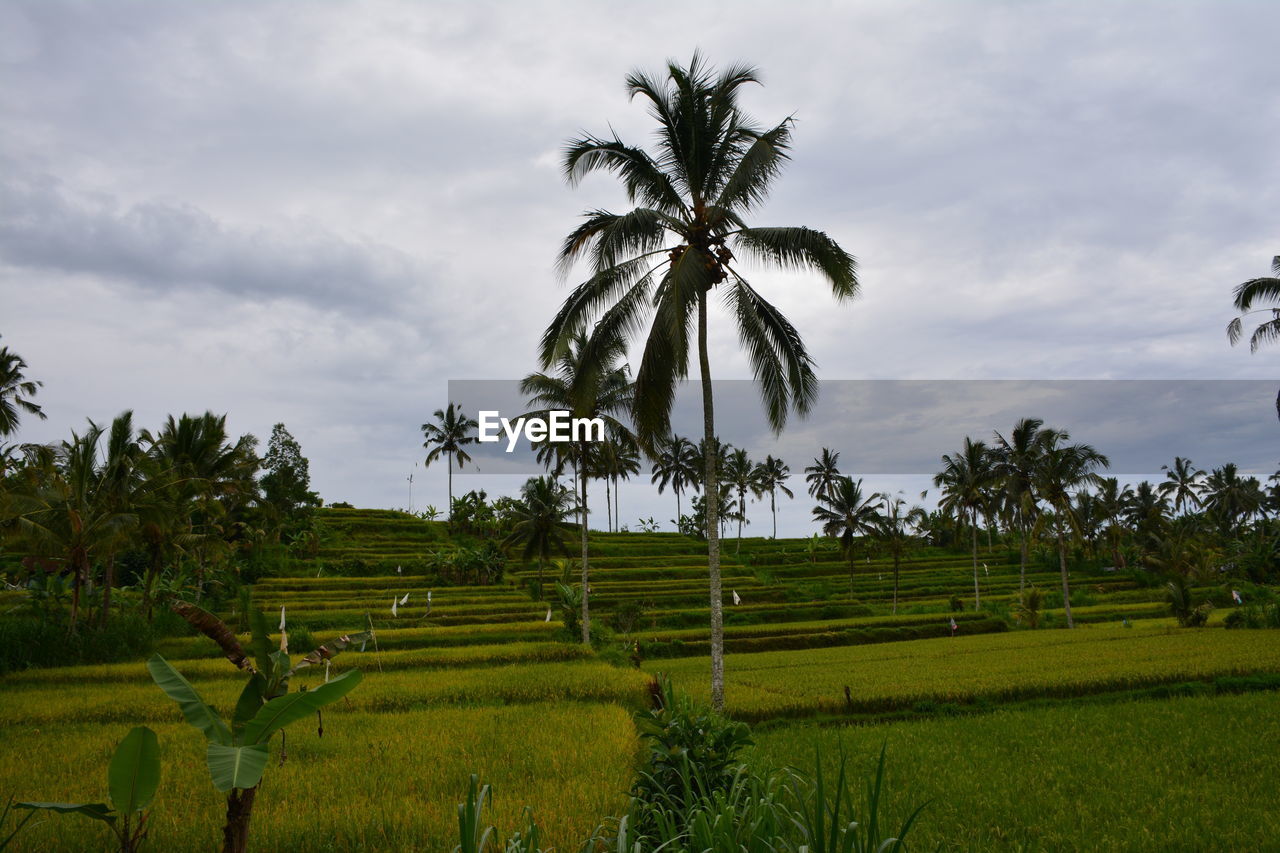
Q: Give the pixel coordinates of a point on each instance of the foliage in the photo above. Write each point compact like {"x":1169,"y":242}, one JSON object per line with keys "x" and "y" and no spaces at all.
{"x":286,"y":485}
{"x":132,"y":781}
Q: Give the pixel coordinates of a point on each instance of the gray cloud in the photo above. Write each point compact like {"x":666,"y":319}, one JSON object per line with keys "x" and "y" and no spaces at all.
{"x":322,"y":214}
{"x":166,"y":246}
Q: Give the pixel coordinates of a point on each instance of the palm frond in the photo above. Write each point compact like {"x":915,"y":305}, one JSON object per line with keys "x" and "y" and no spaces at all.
{"x":799,"y":248}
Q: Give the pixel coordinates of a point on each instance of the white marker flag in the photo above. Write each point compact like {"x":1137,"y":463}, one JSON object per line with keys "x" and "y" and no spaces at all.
{"x":393,"y":606}
{"x":737,"y":599}
{"x":404,"y":600}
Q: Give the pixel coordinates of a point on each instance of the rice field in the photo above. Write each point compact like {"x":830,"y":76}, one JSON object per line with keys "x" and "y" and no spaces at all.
{"x":482,"y":682}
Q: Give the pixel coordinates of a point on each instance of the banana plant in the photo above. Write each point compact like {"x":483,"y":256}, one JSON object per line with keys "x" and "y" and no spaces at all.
{"x":237,"y":752}
{"x":132,"y":780}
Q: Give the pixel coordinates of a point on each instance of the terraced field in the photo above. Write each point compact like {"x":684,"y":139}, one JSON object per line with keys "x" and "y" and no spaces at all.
{"x":475,"y":678}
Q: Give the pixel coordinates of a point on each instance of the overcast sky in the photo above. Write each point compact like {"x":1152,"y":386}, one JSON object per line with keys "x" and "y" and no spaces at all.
{"x":322,"y":213}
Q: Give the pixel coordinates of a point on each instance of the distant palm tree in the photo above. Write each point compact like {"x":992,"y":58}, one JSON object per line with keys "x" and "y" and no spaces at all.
{"x":451,"y":432}
{"x":1064,"y":469}
{"x":587,"y":385}
{"x":823,"y":472}
{"x":15,"y":392}
{"x":539,"y":528}
{"x":772,"y":475}
{"x":676,"y":463}
{"x":895,"y":532}
{"x":126,"y":488}
{"x":1231,"y":499}
{"x":1256,"y":291}
{"x":846,"y":512}
{"x":1146,"y":511}
{"x":65,"y":511}
{"x":1015,"y":461}
{"x":1182,"y":485}
{"x":619,"y":459}
{"x":965,"y":480}
{"x":743,"y":475}
{"x":1112,"y":501}
{"x":712,"y":168}
{"x":213,"y":478}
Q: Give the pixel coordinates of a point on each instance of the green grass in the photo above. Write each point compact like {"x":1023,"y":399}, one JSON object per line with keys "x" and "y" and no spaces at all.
{"x":375,"y":781}
{"x":998,"y":667}
{"x":1179,"y":774}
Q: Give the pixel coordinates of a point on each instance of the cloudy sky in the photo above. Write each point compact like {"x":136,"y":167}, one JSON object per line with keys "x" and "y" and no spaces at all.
{"x":322,"y":213}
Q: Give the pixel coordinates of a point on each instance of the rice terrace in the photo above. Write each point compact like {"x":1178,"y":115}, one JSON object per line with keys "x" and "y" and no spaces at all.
{"x":674,"y":588}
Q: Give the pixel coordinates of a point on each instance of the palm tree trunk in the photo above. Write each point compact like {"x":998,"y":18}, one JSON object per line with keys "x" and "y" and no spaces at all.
{"x":741,"y":516}
{"x":773,"y":509}
{"x":895,"y":583}
{"x":977,"y":596}
{"x":1022,"y":568}
{"x":677,"y":491}
{"x":608,"y":506}
{"x":108,"y":578}
{"x":617,"y":513}
{"x":1062,"y":565}
{"x":586,"y":578}
{"x":712,"y":503}
{"x":77,"y":573}
{"x":448,"y":462}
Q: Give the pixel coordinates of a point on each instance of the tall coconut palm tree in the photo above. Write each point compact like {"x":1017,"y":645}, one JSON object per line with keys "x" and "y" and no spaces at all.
{"x":1182,"y":484}
{"x":1015,"y":459}
{"x":16,"y":391}
{"x":586,"y":387}
{"x":823,"y":472}
{"x":711,"y":169}
{"x":1064,"y":469}
{"x":772,"y":474}
{"x":965,"y":479}
{"x":539,"y":529}
{"x":451,"y":432}
{"x":676,"y":463}
{"x":743,"y":475}
{"x":846,"y":512}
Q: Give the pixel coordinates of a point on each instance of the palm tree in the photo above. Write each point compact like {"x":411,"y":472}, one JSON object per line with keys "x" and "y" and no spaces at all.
{"x":213,"y":477}
{"x":63,"y":509}
{"x":895,"y":534}
{"x":1145,"y":510}
{"x":1015,"y":460}
{"x":847,"y":513}
{"x":1112,"y":503}
{"x":596,"y":388}
{"x":965,"y":479}
{"x":1231,"y":499}
{"x":1182,"y":484}
{"x":1256,"y":291}
{"x":619,"y":459}
{"x":125,"y":487}
{"x":675,"y":463}
{"x":772,"y":474}
{"x":448,"y":436}
{"x":539,"y":527}
{"x":711,"y":169}
{"x":1063,"y":470}
{"x":15,"y":392}
{"x":743,"y":475}
{"x":823,"y":472}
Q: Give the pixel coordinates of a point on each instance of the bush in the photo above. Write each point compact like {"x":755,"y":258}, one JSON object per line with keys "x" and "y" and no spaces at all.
{"x":27,"y":642}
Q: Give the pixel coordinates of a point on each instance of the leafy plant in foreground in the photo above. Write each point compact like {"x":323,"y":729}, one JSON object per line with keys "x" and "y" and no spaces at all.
{"x":132,"y":780}
{"x":237,"y":753}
